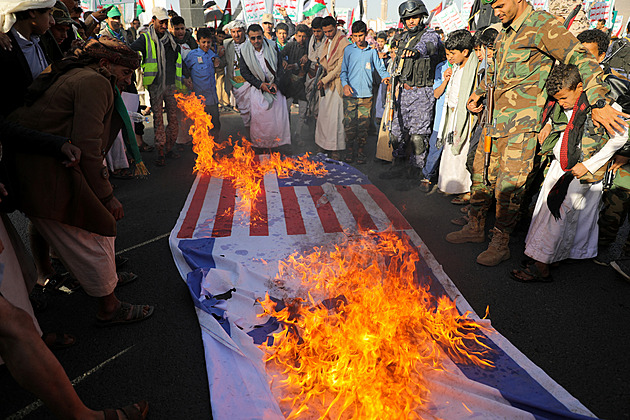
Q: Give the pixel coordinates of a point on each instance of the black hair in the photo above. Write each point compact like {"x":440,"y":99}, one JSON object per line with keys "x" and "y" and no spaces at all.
{"x":329,"y":21}
{"x":595,"y":36}
{"x":562,"y":76}
{"x":177,"y":20}
{"x":359,"y":26}
{"x":382,"y":35}
{"x":254,"y":27}
{"x":477,"y":36}
{"x":439,"y":31}
{"x":317,"y":23}
{"x":134,"y":19}
{"x":203,"y":33}
{"x":459,"y":40}
{"x":283,"y":26}
{"x":24,"y":15}
{"x":303,"y":28}
{"x":602,"y":21}
{"x":488,"y":37}
{"x":172,"y":13}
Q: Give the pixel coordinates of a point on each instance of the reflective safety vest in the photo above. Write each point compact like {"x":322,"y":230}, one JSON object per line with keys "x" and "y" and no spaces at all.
{"x":150,"y":65}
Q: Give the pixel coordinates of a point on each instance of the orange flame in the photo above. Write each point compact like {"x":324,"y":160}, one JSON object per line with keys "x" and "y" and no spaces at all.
{"x":357,"y":342}
{"x":241,"y":164}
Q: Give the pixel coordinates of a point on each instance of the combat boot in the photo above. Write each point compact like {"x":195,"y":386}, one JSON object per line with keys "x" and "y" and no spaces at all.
{"x":473,"y":231}
{"x":498,"y":250}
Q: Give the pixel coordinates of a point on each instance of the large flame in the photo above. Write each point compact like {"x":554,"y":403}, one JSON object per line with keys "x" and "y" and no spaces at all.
{"x":358,"y":341}
{"x":241,"y":163}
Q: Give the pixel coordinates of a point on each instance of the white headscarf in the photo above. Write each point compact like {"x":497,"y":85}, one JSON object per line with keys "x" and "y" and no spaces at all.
{"x":8,"y":8}
{"x":234,"y":25}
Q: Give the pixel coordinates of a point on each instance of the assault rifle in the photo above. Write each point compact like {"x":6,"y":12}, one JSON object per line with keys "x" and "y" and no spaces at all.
{"x":393,"y":87}
{"x":487,"y":140}
{"x":310,"y":110}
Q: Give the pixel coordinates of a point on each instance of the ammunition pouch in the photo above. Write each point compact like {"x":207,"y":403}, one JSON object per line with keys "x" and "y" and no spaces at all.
{"x":419,"y":143}
{"x":418,"y":72}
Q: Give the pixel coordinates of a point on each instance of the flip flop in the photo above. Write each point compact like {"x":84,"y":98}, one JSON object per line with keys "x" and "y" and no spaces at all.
{"x":533,"y":272}
{"x":58,"y":341}
{"x":125,"y":277}
{"x":126,"y":314}
{"x":132,"y":412}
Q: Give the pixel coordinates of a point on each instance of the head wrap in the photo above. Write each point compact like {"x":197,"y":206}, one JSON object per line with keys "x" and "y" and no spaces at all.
{"x":8,"y":8}
{"x":235,"y":24}
{"x":113,"y":51}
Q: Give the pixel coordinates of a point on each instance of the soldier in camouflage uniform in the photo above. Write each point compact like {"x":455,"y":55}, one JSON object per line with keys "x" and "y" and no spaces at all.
{"x":420,"y":50}
{"x":525,"y":51}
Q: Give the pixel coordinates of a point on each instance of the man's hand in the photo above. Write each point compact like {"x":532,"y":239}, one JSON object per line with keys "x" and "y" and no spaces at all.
{"x":5,"y":42}
{"x":282,"y":11}
{"x":387,"y":81}
{"x":347,"y":90}
{"x":189,"y":83}
{"x":320,"y":84}
{"x":408,"y":53}
{"x":618,"y":162}
{"x":406,"y":86}
{"x":303,"y":60}
{"x":579,"y":170}
{"x":73,"y":153}
{"x":474,"y":104}
{"x":221,"y":51}
{"x":544,"y":133}
{"x":611,"y":119}
{"x":448,"y":73}
{"x":269,"y":88}
{"x":101,"y":15}
{"x":216,"y":61}
{"x":115,"y":208}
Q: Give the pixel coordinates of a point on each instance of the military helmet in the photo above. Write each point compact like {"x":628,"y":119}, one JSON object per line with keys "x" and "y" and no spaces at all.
{"x":412,"y":8}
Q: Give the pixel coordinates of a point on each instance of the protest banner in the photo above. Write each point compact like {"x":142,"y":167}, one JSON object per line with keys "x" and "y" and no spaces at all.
{"x":253,"y":10}
{"x":291,"y":6}
{"x":449,"y":19}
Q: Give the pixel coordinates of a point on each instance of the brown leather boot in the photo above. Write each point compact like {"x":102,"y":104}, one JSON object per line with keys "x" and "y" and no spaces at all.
{"x":473,"y":231}
{"x":498,"y":250}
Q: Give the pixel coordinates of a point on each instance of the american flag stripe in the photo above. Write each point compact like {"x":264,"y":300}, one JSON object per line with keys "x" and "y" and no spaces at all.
{"x":192,"y":215}
{"x":292,"y":212}
{"x":356,"y":207}
{"x":259,"y":222}
{"x":225,"y":210}
{"x":392,"y":213}
{"x":325,"y":210}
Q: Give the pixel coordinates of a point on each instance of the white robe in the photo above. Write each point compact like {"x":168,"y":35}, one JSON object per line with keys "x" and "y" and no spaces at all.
{"x":454,"y":178}
{"x":575,"y":234}
{"x":329,"y":132}
{"x":269,"y":126}
{"x":242,"y":95}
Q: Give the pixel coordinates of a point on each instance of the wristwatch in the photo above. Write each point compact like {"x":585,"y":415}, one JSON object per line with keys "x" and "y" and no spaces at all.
{"x":599,"y":104}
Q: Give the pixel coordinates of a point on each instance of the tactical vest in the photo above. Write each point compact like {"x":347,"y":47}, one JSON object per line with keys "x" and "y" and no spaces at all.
{"x":150,"y":65}
{"x":420,"y":72}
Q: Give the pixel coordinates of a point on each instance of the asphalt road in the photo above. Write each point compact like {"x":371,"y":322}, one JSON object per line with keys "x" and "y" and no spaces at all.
{"x":575,"y":329}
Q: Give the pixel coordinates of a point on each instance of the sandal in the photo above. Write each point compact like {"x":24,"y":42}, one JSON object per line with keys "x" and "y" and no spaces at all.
{"x":126,"y":314}
{"x":125,"y":277}
{"x":131,"y":412}
{"x":125,"y":173}
{"x":146,"y":148}
{"x":460,"y":221}
{"x":120,"y":261}
{"x":57,"y":341}
{"x":173,"y":155}
{"x":533,"y":272}
{"x":62,"y":283}
{"x":461,"y":199}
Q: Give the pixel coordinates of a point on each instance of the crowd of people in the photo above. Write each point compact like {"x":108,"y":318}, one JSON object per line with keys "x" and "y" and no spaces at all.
{"x":516,"y":111}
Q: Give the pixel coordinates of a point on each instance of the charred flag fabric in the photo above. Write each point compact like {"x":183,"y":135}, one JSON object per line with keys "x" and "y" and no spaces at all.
{"x":228,"y":253}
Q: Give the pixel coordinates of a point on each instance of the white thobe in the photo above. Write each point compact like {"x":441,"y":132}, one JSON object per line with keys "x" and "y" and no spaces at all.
{"x":575,"y":234}
{"x":269,"y":125}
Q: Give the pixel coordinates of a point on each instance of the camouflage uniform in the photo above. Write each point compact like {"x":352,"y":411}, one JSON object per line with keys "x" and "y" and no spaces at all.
{"x":562,"y":8}
{"x":615,"y":210}
{"x":416,"y":105}
{"x":525,"y":53}
{"x":356,"y":121}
